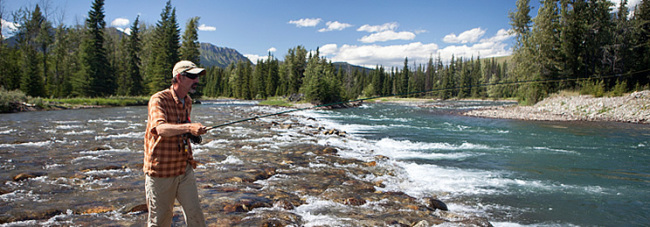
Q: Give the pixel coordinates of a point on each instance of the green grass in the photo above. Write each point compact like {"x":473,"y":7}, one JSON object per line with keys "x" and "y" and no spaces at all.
{"x":276,"y":101}
{"x":11,"y":101}
{"x":108,"y":101}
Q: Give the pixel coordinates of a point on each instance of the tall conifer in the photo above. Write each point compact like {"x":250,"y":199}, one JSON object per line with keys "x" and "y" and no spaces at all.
{"x":93,"y":55}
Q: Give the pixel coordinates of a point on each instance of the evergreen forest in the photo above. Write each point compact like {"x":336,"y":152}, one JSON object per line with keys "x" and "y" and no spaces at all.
{"x":569,"y":45}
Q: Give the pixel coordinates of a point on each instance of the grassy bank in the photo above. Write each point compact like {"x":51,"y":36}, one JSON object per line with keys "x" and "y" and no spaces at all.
{"x":17,"y":101}
{"x":108,"y":101}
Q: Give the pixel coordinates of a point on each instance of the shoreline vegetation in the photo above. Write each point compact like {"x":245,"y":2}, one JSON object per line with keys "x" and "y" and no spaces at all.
{"x":562,"y":106}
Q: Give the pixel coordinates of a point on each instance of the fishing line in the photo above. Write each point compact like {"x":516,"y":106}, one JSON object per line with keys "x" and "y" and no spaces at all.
{"x":424,"y":92}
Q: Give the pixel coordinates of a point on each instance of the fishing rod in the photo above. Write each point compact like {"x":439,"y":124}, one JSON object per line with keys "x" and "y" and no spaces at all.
{"x":419,"y":92}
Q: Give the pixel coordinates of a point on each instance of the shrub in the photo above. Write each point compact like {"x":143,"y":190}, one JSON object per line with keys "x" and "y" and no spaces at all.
{"x":11,"y":100}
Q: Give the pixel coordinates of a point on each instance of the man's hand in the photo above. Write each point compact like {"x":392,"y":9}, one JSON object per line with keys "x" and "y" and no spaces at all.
{"x":197,"y":129}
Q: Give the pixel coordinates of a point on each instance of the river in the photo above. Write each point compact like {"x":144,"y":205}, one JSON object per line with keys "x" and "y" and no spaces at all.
{"x":86,"y":164}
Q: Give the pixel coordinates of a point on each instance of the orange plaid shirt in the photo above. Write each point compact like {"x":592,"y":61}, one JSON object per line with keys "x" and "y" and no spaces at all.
{"x":166,"y":156}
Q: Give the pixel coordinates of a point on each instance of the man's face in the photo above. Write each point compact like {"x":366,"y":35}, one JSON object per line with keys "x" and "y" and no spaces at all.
{"x":190,"y":83}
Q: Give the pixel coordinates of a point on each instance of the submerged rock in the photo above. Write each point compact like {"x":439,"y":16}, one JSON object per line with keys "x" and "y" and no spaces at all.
{"x":434,"y":204}
{"x":25,"y":176}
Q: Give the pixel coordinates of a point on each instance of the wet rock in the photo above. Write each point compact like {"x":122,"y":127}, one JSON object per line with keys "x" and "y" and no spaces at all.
{"x":110,"y":167}
{"x":2,"y":191}
{"x":285,"y":126}
{"x":100,"y":149}
{"x":381,"y":157}
{"x":235,"y":180}
{"x":97,"y":210}
{"x":434,"y":204}
{"x":284,"y":204}
{"x":272,"y":218}
{"x":423,"y":223}
{"x":353,"y":201}
{"x":370,"y":164}
{"x":34,"y":215}
{"x":25,"y":176}
{"x":334,"y":132}
{"x":328,"y":151}
{"x":273,"y":223}
{"x":140,"y":208}
{"x":237,"y":207}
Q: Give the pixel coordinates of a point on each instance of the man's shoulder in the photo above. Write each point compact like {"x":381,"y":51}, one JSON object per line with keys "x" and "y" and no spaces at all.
{"x":164,"y":94}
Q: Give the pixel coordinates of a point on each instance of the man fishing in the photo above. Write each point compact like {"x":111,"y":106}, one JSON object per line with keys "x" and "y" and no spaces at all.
{"x":168,"y":160}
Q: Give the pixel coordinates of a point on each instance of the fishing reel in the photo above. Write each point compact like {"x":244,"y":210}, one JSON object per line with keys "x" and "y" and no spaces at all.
{"x":194,"y":139}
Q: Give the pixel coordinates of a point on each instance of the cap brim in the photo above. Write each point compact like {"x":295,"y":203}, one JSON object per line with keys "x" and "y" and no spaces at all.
{"x":199,"y":71}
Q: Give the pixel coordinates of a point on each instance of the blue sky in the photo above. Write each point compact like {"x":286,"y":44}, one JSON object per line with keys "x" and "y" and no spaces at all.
{"x":361,"y":32}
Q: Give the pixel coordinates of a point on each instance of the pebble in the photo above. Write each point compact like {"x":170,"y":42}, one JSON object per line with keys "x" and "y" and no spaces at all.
{"x":632,"y":108}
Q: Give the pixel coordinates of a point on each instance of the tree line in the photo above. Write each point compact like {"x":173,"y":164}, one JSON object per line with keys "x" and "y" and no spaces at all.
{"x":570,"y":44}
{"x":91,"y":60}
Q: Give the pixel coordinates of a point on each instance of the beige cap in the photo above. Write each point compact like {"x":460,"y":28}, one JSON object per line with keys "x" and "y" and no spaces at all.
{"x":187,"y":66}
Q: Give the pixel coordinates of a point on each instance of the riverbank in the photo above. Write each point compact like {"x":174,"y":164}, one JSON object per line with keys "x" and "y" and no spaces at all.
{"x":631,"y":108}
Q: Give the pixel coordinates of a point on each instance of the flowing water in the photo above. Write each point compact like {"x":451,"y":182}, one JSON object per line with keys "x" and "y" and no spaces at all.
{"x":511,"y":172}
{"x":514,"y":172}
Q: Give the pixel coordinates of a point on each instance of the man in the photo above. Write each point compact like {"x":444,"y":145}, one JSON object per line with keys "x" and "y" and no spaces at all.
{"x":168,"y":161}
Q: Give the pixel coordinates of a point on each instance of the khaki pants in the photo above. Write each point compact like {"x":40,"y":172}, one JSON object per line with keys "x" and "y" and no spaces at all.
{"x":161,"y":193}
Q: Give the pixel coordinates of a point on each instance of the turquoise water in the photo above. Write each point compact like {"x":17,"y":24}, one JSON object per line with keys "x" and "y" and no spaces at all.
{"x":512,"y":172}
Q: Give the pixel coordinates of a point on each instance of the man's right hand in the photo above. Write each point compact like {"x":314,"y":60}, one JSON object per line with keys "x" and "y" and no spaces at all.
{"x":197,"y":129}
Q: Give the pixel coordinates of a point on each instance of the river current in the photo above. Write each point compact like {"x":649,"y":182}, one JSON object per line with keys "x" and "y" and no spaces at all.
{"x":511,"y":172}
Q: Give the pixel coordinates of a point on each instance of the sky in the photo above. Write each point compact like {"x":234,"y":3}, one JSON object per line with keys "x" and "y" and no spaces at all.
{"x":361,"y":32}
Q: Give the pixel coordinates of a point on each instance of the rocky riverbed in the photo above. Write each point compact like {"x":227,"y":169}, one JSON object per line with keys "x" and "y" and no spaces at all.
{"x":632,"y":108}
{"x":270,"y":172}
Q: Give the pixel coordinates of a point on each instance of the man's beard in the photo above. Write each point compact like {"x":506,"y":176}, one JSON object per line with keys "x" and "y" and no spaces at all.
{"x":193,"y":88}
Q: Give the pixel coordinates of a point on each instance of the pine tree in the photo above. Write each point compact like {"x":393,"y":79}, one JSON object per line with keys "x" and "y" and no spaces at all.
{"x":135,"y":85}
{"x":641,"y":43}
{"x":190,"y":47}
{"x":101,"y":81}
{"x":63,"y":61}
{"x":164,"y":52}
{"x":31,"y":38}
{"x":272,"y":75}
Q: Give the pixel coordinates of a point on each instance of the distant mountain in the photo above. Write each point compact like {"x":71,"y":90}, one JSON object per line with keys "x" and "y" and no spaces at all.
{"x":350,"y":68}
{"x":212,"y":55}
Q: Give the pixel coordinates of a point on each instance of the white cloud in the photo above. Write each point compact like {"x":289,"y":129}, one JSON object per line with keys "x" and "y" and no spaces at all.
{"x":272,"y":49}
{"x":8,"y":27}
{"x":378,"y":28}
{"x":331,"y":26}
{"x":204,"y":27}
{"x":328,"y":49}
{"x":125,"y":30}
{"x":120,"y":22}
{"x":371,"y":55}
{"x":417,"y":52}
{"x":306,"y":22}
{"x":631,"y":4}
{"x":469,"y":36}
{"x":387,"y":36}
{"x":254,"y":57}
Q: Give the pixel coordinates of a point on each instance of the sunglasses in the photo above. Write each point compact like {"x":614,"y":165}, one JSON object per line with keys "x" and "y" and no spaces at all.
{"x":189,"y":75}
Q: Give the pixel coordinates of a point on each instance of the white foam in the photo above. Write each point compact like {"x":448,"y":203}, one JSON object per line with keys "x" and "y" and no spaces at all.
{"x":125,"y":135}
{"x":28,"y":144}
{"x":314,"y":212}
{"x":108,"y":122}
{"x":84,"y":132}
{"x":232,"y":160}
{"x":555,"y":150}
{"x":68,"y":126}
{"x":9,"y":131}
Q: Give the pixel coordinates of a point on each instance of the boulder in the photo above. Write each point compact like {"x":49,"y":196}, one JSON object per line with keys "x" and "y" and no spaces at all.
{"x":433,"y":204}
{"x":25,"y":176}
